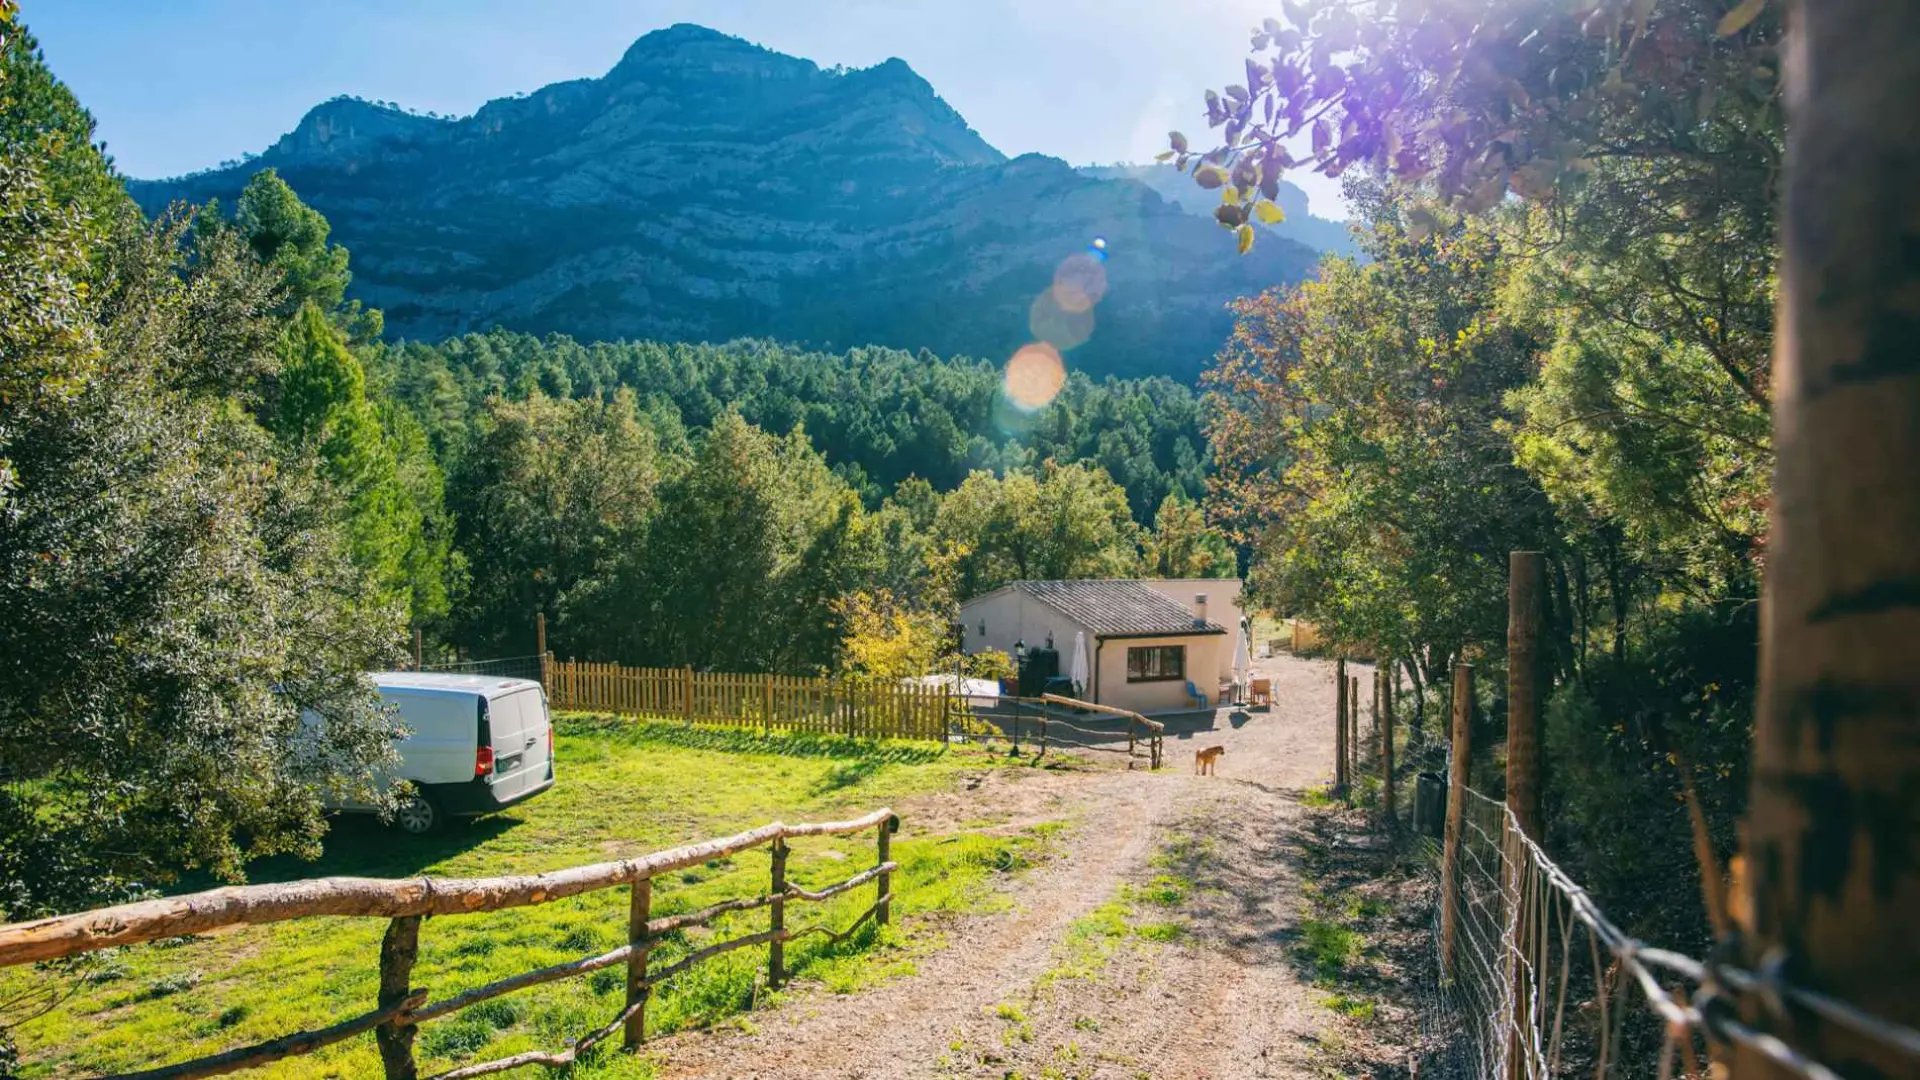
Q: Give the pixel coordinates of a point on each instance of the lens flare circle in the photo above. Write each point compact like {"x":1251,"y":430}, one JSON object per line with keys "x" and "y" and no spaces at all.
{"x":1060,"y":326}
{"x":1079,"y":282}
{"x":1035,"y":376}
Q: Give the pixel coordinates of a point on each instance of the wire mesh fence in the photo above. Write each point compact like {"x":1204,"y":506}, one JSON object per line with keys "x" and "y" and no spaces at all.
{"x":1536,"y":981}
{"x":507,"y":667}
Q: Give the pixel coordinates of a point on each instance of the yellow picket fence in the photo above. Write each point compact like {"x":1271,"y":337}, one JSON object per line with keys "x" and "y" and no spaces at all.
{"x":874,"y":709}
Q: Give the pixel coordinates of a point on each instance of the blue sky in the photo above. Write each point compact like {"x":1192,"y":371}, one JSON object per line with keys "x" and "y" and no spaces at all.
{"x":183,"y":84}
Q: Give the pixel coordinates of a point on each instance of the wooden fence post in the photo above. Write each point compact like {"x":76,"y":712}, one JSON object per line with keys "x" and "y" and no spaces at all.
{"x":1376,"y":708}
{"x":419,"y":659}
{"x":777,"y":948}
{"x":1353,"y":729}
{"x":639,"y":910}
{"x":883,"y":905}
{"x":540,"y":632}
{"x":766,"y":706}
{"x":1526,"y":589}
{"x":1383,"y":725}
{"x":1458,"y":778}
{"x":1832,"y":874}
{"x":1340,"y":726}
{"x":687,"y":693}
{"x":398,"y":950}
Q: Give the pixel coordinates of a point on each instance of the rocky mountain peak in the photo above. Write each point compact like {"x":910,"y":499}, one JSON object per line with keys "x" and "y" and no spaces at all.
{"x":687,"y":48}
{"x":350,"y":125}
{"x":707,"y":188}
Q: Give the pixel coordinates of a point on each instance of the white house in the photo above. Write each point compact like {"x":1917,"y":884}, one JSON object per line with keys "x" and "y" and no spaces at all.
{"x":1149,"y":643}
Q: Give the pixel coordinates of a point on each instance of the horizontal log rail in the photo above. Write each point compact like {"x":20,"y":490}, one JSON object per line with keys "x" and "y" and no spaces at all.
{"x":1152,"y":726}
{"x":656,"y":928}
{"x":286,"y":1046}
{"x":1155,"y":730}
{"x":255,"y":905}
{"x":1046,"y":724}
{"x":404,"y":1007}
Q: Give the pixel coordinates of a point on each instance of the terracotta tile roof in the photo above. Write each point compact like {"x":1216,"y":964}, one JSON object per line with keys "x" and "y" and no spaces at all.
{"x":1112,"y":607}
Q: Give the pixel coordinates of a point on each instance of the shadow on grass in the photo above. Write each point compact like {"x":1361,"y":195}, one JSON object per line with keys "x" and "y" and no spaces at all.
{"x":746,"y":741}
{"x":361,"y":846}
{"x":846,"y":775}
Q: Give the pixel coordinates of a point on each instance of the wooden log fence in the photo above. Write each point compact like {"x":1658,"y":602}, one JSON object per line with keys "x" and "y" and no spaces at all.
{"x":401,"y":1007}
{"x":874,"y":709}
{"x":1044,"y":723}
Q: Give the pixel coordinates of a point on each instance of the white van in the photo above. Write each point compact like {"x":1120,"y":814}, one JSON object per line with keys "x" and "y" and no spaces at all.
{"x":475,"y":744}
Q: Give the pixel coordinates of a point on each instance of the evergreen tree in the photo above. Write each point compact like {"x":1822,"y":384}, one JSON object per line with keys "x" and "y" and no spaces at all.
{"x":291,"y":237}
{"x":1183,"y":545}
{"x":323,"y":408}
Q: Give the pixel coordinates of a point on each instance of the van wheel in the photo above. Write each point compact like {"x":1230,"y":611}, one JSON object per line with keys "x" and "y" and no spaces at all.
{"x":417,"y":815}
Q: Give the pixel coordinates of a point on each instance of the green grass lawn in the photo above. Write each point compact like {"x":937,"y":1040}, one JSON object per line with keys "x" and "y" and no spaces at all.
{"x":625,"y":788}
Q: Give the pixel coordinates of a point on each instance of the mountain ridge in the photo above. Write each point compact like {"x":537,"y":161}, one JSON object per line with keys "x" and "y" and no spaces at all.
{"x":706,"y":188}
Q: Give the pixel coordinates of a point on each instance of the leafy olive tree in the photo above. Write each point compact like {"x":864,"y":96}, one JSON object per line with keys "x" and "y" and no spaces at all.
{"x":174,"y":583}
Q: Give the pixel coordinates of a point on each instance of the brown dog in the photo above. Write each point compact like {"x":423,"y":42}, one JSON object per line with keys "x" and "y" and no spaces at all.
{"x":1204,"y":761}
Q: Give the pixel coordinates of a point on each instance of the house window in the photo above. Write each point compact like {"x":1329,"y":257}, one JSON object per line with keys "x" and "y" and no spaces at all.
{"x":1157,"y":663}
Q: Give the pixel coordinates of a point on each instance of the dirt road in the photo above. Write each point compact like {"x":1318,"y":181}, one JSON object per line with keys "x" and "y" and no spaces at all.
{"x":1198,"y":986}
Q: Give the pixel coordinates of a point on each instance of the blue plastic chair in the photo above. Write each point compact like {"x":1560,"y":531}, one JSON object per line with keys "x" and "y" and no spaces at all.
{"x":1194,"y":693}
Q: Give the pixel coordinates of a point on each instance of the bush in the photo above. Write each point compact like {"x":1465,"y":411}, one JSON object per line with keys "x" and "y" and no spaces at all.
{"x":1617,"y":819}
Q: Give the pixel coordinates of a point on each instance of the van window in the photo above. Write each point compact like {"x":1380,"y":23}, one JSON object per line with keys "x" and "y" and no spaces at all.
{"x":516,"y":715}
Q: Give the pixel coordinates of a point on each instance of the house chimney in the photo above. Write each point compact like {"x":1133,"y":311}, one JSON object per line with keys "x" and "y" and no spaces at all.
{"x":1199,"y":609}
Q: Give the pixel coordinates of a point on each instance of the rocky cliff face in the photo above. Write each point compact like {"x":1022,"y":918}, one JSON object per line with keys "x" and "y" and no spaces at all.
{"x":706,"y":189}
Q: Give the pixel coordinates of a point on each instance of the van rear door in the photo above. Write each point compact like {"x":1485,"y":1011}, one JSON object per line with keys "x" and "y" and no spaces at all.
{"x":539,"y":733}
{"x":441,"y":734}
{"x":519,"y":742}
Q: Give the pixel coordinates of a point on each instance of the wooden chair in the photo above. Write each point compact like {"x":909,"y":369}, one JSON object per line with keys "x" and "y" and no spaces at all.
{"x":1261,"y":693}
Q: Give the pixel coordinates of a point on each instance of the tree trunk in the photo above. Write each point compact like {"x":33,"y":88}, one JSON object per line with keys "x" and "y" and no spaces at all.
{"x":1560,"y":625}
{"x":1833,"y":862}
{"x":1419,"y":696}
{"x":1617,"y":593}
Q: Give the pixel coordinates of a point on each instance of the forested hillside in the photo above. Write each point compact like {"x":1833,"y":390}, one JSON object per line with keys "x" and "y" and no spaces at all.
{"x":855,"y":208}
{"x":225,"y":496}
{"x":879,"y":416}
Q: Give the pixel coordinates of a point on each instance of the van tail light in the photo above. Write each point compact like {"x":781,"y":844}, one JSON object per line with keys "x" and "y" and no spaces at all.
{"x":483,"y":760}
{"x":549,"y":740}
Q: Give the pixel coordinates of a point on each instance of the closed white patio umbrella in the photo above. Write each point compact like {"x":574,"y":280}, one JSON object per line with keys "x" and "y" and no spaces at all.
{"x":1078,"y":671}
{"x":1242,"y":660}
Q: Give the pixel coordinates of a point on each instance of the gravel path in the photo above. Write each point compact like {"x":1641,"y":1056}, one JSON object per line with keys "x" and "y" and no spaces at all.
{"x":1220,"y":1001}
